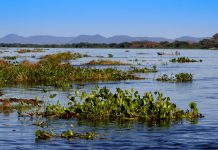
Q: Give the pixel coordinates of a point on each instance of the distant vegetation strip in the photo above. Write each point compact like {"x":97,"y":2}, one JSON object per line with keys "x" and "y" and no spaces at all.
{"x":203,"y":44}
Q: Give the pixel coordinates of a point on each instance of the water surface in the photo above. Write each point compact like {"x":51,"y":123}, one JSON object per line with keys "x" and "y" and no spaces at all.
{"x":18,"y":133}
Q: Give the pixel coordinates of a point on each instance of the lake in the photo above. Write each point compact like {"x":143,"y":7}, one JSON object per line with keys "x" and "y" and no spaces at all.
{"x":19,"y":133}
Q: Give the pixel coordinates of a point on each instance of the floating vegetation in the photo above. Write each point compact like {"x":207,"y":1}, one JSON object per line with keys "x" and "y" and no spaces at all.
{"x":69,"y":134}
{"x":102,"y":104}
{"x":63,"y":56}
{"x":184,"y":60}
{"x":10,"y":57}
{"x":143,"y":70}
{"x":23,"y":101}
{"x":53,"y":72}
{"x":8,"y":105}
{"x":31,"y":50}
{"x":110,"y":55}
{"x":142,"y":53}
{"x":180,"y":77}
{"x":105,"y":62}
{"x":127,"y":51}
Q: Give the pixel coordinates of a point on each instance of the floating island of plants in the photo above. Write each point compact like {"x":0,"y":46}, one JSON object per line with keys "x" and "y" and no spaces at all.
{"x":106,"y":62}
{"x":10,"y":57}
{"x":180,"y":77}
{"x":102,"y":104}
{"x":31,"y":50}
{"x":11,"y":104}
{"x":69,"y":134}
{"x":55,"y":70}
{"x":184,"y":60}
{"x":143,"y":70}
{"x":51,"y":70}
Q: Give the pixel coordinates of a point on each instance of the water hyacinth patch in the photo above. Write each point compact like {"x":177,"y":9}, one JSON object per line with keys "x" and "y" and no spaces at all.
{"x":31,"y":50}
{"x":10,"y":57}
{"x":106,"y":62}
{"x":69,"y":134}
{"x":102,"y":104}
{"x":143,"y":70}
{"x":184,"y":60}
{"x":180,"y":77}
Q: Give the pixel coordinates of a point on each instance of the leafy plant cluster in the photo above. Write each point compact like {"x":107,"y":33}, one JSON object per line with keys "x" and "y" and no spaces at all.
{"x":31,"y":50}
{"x":102,"y":104}
{"x":143,"y":70}
{"x":184,"y":60}
{"x":105,"y":62}
{"x":69,"y":134}
{"x":180,"y":77}
{"x":51,"y":71}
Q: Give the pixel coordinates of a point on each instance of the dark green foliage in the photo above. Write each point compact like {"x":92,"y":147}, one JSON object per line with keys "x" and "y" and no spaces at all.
{"x":180,"y":77}
{"x":69,"y":134}
{"x":10,"y":57}
{"x":143,"y":70}
{"x":105,"y":62}
{"x":51,"y":71}
{"x":102,"y":104}
{"x":44,"y":135}
{"x":110,"y":55}
{"x":184,"y":60}
{"x":184,"y":77}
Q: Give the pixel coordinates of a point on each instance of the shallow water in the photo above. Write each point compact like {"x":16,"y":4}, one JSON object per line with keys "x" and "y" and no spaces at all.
{"x":18,"y":133}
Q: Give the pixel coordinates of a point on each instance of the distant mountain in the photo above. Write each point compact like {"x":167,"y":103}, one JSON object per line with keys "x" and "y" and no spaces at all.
{"x":191,"y":39}
{"x":45,"y":39}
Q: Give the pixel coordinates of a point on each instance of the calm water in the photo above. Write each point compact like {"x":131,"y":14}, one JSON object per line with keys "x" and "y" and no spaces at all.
{"x":18,"y":133}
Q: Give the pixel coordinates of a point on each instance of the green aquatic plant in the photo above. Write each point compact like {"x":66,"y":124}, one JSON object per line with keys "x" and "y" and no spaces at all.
{"x":180,"y":77}
{"x":52,"y":72}
{"x":69,"y":134}
{"x":184,"y":60}
{"x":105,"y":62}
{"x":19,"y":105}
{"x":31,"y":50}
{"x":62,"y":56}
{"x":44,"y":135}
{"x":110,"y":55}
{"x":10,"y":57}
{"x":184,"y":77}
{"x":143,"y":70}
{"x":102,"y":104}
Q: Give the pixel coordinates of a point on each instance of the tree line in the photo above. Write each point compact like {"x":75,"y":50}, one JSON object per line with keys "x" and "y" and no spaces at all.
{"x":211,"y":43}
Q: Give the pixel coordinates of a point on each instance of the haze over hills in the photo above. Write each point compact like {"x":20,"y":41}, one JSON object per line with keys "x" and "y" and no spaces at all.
{"x":45,"y":39}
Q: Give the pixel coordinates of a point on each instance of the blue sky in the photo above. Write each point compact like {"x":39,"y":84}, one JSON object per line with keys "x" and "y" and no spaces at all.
{"x":160,"y":18}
